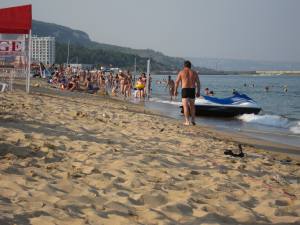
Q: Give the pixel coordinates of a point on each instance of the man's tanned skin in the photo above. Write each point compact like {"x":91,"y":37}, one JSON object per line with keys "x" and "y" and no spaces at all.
{"x":189,"y":82}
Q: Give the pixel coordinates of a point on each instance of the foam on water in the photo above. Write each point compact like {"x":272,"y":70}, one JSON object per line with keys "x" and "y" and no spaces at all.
{"x":271,"y":120}
{"x":268,"y":120}
{"x":165,"y":101}
{"x":295,"y":128}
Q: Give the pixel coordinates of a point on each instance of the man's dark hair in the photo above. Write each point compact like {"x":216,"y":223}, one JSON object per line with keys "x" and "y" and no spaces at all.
{"x":188,"y":64}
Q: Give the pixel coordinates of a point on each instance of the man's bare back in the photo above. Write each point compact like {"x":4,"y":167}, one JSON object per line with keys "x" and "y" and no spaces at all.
{"x":188,"y":78}
{"x":190,"y":84}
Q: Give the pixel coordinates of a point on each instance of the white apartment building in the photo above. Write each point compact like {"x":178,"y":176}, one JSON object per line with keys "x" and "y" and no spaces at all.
{"x":43,"y":50}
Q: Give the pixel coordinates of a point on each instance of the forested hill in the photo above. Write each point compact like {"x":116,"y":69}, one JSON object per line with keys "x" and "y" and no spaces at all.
{"x":84,"y":50}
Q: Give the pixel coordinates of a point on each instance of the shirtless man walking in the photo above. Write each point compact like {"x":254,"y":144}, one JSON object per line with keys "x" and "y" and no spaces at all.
{"x":189,"y":82}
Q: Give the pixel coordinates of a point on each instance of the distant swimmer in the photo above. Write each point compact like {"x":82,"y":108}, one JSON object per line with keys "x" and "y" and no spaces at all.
{"x":234,"y":91}
{"x":206,"y":91}
{"x":267,"y":88}
{"x":171,"y":86}
{"x":189,"y":82}
{"x":285,"y":88}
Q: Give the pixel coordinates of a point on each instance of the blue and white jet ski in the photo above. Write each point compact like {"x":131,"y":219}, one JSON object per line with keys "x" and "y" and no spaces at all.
{"x":236,"y":105}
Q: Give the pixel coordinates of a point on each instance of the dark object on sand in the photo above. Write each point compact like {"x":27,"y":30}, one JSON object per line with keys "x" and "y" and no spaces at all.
{"x":236,"y":105}
{"x":286,"y":161}
{"x":240,"y":148}
{"x":231,"y":153}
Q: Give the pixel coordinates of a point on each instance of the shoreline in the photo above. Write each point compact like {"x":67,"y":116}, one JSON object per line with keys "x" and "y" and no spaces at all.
{"x":235,"y":136}
{"x":66,"y":158}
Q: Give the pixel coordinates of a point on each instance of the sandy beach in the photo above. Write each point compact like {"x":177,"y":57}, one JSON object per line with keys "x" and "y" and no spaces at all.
{"x":81,"y":159}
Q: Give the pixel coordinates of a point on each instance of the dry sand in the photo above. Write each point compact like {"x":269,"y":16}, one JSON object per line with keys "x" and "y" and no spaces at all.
{"x":78,"y":160}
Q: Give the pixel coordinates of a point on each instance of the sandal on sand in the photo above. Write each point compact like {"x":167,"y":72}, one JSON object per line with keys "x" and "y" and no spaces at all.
{"x":229,"y":152}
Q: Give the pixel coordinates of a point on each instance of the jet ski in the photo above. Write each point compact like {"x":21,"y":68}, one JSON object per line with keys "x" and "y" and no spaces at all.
{"x":233,"y":106}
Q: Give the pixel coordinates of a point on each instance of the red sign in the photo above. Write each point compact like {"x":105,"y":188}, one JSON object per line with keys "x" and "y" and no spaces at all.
{"x":11,"y":46}
{"x":16,"y":20}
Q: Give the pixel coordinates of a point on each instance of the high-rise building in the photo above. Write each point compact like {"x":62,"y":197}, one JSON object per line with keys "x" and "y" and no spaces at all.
{"x":43,"y":49}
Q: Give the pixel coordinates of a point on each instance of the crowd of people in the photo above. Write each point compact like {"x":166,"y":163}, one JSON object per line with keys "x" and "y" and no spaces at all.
{"x":93,"y":81}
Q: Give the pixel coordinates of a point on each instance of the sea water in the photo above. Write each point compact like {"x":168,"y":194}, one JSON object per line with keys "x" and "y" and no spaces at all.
{"x":279,"y":120}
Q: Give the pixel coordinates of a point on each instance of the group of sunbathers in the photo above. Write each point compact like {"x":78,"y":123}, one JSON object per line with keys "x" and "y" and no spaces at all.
{"x":120,"y":83}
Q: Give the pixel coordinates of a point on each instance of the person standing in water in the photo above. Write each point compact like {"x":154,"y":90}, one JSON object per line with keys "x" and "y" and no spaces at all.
{"x":189,"y":83}
{"x":171,"y":86}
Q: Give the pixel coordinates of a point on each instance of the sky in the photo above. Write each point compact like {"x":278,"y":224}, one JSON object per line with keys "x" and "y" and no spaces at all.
{"x":231,"y":29}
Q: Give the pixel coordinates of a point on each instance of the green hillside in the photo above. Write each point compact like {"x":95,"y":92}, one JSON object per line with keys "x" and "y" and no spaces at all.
{"x":61,"y":33}
{"x":84,"y":50}
{"x":103,"y":57}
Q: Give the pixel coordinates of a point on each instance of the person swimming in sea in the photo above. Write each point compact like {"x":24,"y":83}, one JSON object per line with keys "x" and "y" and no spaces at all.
{"x":267,"y":88}
{"x":206,"y":91}
{"x":211,"y":93}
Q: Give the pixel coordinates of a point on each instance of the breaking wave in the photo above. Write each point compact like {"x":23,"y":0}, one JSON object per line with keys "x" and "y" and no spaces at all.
{"x":272,"y":120}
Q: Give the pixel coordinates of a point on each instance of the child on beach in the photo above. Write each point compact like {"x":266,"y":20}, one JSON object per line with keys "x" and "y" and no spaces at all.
{"x":128,"y":86}
{"x":72,"y":85}
{"x":171,"y":86}
{"x":88,"y":86}
{"x":140,"y":88}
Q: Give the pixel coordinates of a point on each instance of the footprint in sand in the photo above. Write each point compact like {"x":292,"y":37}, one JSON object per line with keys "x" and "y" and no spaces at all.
{"x":285,"y":212}
{"x":250,"y":204}
{"x":179,"y":209}
{"x":119,"y":209}
{"x":151,"y":200}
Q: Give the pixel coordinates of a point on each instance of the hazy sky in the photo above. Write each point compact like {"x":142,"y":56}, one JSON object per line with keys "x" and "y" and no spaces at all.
{"x":240,"y":29}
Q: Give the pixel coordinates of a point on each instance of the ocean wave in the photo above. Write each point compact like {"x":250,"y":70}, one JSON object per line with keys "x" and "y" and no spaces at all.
{"x":268,"y":120}
{"x":271,"y":120}
{"x":165,"y":101}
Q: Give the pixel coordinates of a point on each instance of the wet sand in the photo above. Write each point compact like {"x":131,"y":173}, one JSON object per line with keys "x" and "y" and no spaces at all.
{"x":78,"y":159}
